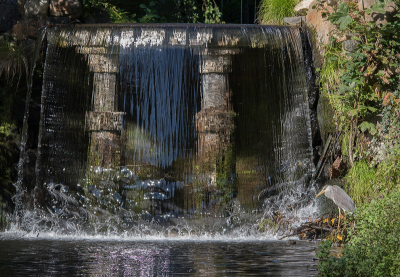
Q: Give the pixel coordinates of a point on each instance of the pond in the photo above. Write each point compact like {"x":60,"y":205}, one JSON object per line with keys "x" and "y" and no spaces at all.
{"x":86,"y":256}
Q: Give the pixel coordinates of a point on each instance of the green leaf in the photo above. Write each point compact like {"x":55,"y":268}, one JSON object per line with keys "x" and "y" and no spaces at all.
{"x":364,"y":126}
{"x":379,"y":7}
{"x":143,"y":6}
{"x":341,"y":17}
{"x":362,"y":108}
{"x":353,"y":112}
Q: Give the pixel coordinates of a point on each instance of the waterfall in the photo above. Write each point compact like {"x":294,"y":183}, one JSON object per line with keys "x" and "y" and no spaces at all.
{"x":176,"y":129}
{"x":20,"y":189}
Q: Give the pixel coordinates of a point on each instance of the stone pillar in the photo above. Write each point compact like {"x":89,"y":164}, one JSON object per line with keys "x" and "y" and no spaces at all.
{"x":215,"y":123}
{"x":215,"y":120}
{"x":104,"y":122}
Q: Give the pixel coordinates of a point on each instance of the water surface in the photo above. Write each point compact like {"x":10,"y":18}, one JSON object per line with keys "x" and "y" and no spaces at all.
{"x":155,"y":257}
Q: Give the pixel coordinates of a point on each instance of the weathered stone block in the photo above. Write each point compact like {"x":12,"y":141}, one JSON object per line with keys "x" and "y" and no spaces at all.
{"x":294,"y":21}
{"x":150,"y":37}
{"x":178,"y":37}
{"x":202,"y":37}
{"x":70,"y":8}
{"x":91,"y":50}
{"x":100,"y":37}
{"x":215,"y":90}
{"x":230,"y":39}
{"x":216,"y":64}
{"x":105,"y":150}
{"x":103,"y":121}
{"x":103,"y":63}
{"x":220,"y":52}
{"x":104,"y":92}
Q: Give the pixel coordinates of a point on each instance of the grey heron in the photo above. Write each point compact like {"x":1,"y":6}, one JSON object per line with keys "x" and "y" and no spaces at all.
{"x":339,"y":197}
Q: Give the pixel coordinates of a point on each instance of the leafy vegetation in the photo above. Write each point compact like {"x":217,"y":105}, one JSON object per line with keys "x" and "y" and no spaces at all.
{"x":13,"y":68}
{"x":360,"y":182}
{"x":365,"y":183}
{"x":157,"y":11}
{"x":211,"y":12}
{"x":12,"y":59}
{"x":359,"y":83}
{"x":362,"y":87}
{"x":274,"y":11}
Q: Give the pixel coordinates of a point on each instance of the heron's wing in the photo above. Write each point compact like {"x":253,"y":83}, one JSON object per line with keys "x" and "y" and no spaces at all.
{"x":341,"y":198}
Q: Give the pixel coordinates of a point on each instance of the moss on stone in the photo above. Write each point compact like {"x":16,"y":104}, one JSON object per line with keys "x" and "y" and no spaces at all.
{"x":326,"y":115}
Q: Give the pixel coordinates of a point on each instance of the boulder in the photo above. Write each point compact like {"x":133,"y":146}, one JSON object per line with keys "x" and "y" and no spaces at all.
{"x":319,"y":21}
{"x":302,"y":7}
{"x":70,"y":8}
{"x":36,"y":8}
{"x":27,"y":29}
{"x":350,"y":45}
{"x":8,"y":15}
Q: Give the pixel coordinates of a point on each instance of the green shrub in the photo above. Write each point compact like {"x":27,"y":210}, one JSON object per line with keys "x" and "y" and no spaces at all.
{"x":274,"y":11}
{"x":211,"y":12}
{"x":388,"y":172}
{"x":366,"y":79}
{"x":374,"y":248}
{"x":116,"y":14}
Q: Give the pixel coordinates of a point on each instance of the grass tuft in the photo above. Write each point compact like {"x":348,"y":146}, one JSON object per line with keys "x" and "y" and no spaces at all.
{"x":274,"y":11}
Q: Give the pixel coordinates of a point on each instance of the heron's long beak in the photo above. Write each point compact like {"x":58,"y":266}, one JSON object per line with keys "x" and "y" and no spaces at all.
{"x":321,"y":192}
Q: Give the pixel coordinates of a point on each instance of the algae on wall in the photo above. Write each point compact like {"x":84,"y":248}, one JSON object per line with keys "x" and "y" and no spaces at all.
{"x":326,"y":113}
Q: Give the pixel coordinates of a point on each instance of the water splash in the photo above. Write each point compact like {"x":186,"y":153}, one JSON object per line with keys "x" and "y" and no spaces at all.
{"x":20,"y":189}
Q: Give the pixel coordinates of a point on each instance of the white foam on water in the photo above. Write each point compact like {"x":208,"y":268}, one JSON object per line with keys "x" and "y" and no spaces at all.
{"x":17,"y":234}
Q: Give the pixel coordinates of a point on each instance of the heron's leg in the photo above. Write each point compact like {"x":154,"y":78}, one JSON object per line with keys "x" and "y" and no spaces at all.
{"x":338,"y":226}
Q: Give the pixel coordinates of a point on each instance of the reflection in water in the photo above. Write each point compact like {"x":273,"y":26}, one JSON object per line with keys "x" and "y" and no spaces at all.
{"x":155,"y":258}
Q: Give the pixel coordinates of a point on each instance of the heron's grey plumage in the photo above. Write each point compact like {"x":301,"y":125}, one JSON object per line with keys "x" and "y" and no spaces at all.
{"x":339,"y":197}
